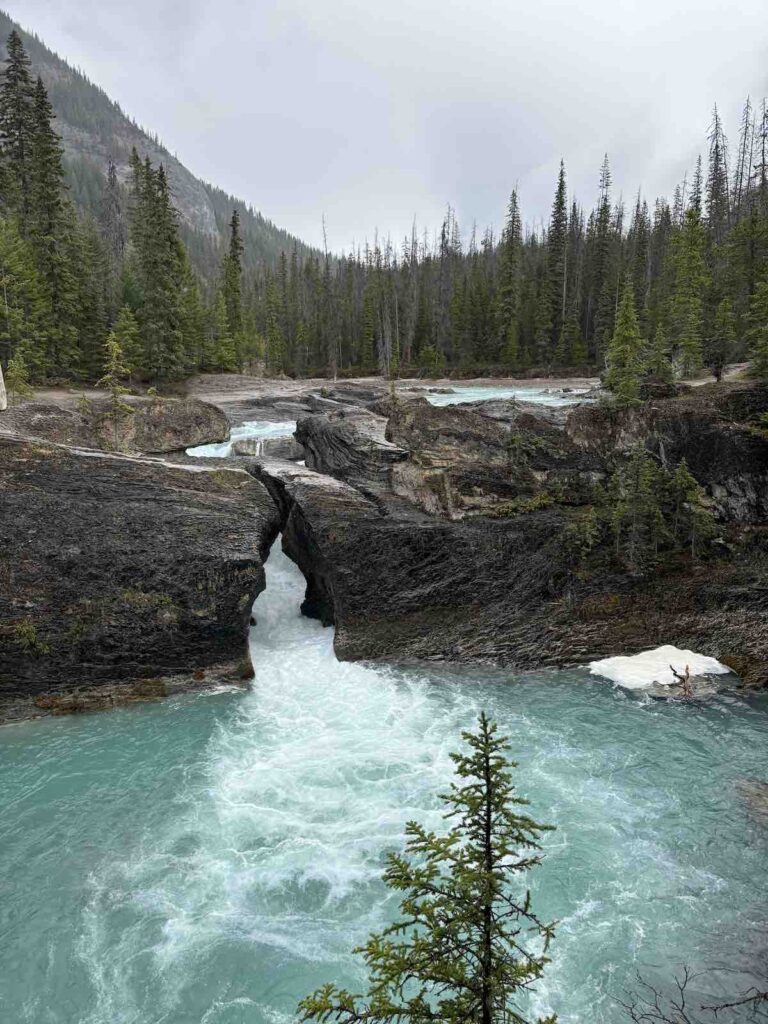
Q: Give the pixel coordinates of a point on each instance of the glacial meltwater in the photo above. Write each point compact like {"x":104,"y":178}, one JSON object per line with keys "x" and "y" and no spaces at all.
{"x":212,"y":858}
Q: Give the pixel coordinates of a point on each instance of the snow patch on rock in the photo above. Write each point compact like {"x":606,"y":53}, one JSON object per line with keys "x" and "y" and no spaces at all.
{"x":637,"y":671}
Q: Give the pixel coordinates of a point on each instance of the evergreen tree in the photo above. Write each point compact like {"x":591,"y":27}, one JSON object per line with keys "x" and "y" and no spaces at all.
{"x":557,"y":257}
{"x":693,"y":521}
{"x":115,"y":371}
{"x":115,"y":236}
{"x":635,"y":511}
{"x":125,"y":333}
{"x":625,"y":352}
{"x":658,"y":365}
{"x":758,"y":331}
{"x":721,"y":345}
{"x":231,"y":278}
{"x":24,"y":313}
{"x":689,"y":271}
{"x":224,"y":356}
{"x":17,"y":129}
{"x":467,"y":945}
{"x":718,"y":198}
{"x":508,"y":303}
{"x":17,"y":378}
{"x":160,"y":270}
{"x":53,"y":235}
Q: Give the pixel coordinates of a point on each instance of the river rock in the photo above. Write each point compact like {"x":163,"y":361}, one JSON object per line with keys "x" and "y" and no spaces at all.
{"x":146,"y":425}
{"x":349,"y":444}
{"x":123,"y":578}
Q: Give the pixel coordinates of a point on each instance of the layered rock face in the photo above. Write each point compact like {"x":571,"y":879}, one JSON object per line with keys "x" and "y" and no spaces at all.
{"x":123,"y":577}
{"x":719,"y":430}
{"x":144,"y":425}
{"x":445,"y":531}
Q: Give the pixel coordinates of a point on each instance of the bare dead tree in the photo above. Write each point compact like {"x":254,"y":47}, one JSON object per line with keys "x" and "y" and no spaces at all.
{"x":650,"y":1005}
{"x":684,"y":680}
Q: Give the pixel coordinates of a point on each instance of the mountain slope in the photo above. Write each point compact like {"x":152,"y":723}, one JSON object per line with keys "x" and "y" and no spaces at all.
{"x":94,"y":129}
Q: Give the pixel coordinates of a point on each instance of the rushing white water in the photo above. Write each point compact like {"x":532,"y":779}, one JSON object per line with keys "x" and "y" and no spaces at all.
{"x":539,"y":396}
{"x":250,"y":428}
{"x":214,"y":857}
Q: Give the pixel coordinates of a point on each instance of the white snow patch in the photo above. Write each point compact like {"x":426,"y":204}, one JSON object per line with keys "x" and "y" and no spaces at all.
{"x":639,"y":670}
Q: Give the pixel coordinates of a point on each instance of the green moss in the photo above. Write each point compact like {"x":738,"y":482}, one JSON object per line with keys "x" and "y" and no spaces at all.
{"x":25,"y":637}
{"x":144,"y":601}
{"x":523,"y":505}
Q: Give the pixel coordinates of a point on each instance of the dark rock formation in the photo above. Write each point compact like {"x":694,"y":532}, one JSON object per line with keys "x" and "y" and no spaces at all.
{"x":452,"y":542}
{"x":349,"y":444}
{"x":153,"y":425}
{"x":123,"y":578}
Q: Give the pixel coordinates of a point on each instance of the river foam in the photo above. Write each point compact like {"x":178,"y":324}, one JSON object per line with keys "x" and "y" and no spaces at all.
{"x":215,"y":857}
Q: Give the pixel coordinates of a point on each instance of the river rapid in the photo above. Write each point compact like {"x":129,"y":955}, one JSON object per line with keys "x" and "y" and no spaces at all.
{"x":212,"y":858}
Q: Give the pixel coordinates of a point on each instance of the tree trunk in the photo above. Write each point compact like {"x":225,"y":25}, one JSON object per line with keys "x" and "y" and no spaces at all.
{"x":487,"y":1010}
{"x":3,"y":395}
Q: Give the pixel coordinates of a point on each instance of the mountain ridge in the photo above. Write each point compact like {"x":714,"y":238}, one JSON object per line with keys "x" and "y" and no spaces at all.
{"x":94,"y":129}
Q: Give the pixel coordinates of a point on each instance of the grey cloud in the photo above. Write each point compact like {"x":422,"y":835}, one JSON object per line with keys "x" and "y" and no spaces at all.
{"x":371,"y":113}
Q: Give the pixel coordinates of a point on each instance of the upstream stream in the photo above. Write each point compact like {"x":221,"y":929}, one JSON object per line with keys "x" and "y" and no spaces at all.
{"x":212,"y":858}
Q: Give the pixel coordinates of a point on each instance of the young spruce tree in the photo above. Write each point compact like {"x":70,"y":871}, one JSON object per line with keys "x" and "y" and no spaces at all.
{"x":467,"y":945}
{"x":625,"y":362}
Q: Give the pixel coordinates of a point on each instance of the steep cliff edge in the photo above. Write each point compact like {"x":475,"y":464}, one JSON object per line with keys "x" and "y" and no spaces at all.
{"x":123,"y":578}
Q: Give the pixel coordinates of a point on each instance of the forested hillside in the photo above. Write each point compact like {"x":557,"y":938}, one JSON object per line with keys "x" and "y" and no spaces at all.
{"x":121,"y":267}
{"x":94,"y":130}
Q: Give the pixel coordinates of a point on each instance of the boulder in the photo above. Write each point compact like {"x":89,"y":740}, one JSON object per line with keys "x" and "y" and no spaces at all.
{"x":144,"y":425}
{"x":123,"y":577}
{"x":349,"y":444}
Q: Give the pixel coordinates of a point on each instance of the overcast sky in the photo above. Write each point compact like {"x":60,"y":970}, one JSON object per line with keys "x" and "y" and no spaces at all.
{"x":375,"y":111}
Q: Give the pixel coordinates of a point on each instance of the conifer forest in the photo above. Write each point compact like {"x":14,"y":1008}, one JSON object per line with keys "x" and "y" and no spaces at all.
{"x":688,"y":272}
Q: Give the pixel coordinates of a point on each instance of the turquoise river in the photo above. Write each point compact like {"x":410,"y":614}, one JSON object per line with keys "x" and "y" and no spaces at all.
{"x":212,"y":858}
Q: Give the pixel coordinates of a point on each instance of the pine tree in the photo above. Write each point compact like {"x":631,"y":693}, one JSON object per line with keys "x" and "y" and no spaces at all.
{"x":115,"y":235}
{"x":24,"y":312}
{"x":693,"y":521}
{"x":17,"y":128}
{"x":718,"y":197}
{"x":758,"y":331}
{"x":635,"y":510}
{"x":53,"y":234}
{"x":125,"y":332}
{"x":557,"y":256}
{"x":160,"y":270}
{"x":223,"y":344}
{"x":625,"y":362}
{"x":690,"y":277}
{"x":17,"y":378}
{"x":231,"y":278}
{"x":721,"y":345}
{"x":508,"y":302}
{"x":115,"y":371}
{"x":467,"y":945}
{"x":658,"y":365}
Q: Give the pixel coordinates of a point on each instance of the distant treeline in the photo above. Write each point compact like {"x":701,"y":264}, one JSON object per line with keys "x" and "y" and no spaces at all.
{"x":117,"y":263}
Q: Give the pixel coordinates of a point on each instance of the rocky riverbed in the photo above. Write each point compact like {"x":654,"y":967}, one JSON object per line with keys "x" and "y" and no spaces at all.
{"x":424,"y":532}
